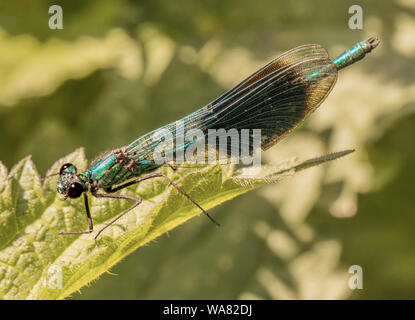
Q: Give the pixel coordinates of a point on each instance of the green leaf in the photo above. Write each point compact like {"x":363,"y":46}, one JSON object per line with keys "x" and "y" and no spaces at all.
{"x":37,"y":263}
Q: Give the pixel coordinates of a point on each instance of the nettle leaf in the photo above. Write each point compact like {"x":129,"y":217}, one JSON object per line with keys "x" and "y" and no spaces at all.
{"x":37,"y":263}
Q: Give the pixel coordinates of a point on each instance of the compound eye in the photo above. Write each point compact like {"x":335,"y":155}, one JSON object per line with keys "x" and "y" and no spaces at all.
{"x":66,"y":166}
{"x":75,"y":190}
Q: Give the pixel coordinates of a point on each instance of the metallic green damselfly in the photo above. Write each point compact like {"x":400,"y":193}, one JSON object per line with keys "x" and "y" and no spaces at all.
{"x":275,"y":99}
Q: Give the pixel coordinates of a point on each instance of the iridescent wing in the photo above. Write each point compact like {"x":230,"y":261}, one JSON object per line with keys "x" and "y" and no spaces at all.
{"x":279,"y":96}
{"x":274,"y":99}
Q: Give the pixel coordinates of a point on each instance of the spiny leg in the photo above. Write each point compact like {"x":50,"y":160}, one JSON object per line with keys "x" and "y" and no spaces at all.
{"x":116,"y":196}
{"x":88,"y":214}
{"x":161,"y":175}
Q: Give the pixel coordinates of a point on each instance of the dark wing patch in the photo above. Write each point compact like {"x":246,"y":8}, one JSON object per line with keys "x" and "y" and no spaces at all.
{"x":274,"y":99}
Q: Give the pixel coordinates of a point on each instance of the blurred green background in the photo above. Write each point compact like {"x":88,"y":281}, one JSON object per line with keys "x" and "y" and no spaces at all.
{"x":121,"y":68}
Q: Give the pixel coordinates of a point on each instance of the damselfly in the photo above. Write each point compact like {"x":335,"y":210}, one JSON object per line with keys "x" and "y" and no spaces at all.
{"x":274,"y":99}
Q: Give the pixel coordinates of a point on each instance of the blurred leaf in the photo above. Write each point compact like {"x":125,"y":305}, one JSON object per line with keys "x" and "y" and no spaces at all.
{"x":31,"y":69}
{"x":31,"y":216}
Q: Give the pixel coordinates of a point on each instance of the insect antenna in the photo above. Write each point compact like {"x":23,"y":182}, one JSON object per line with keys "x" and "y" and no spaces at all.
{"x":48,"y":176}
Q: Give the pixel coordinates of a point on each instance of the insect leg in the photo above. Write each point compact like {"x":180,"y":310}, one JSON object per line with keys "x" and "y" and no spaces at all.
{"x":88,"y":214}
{"x":160,"y":175}
{"x":116,"y":196}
